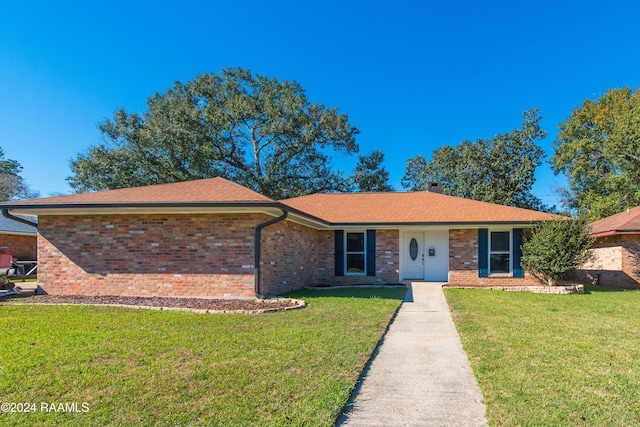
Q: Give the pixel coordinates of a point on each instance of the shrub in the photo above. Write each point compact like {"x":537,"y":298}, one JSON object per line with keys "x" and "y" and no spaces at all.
{"x":553,"y":248}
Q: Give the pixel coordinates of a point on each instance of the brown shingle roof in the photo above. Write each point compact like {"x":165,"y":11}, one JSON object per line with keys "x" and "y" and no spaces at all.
{"x":627,"y":222}
{"x":334,"y":208}
{"x":411,"y":207}
{"x":212,"y":190}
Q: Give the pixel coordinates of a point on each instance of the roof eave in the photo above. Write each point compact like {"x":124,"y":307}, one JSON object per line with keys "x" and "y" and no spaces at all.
{"x":19,"y":233}
{"x":613,"y":233}
{"x":434,"y":223}
{"x":131,"y":207}
{"x":268,"y":207}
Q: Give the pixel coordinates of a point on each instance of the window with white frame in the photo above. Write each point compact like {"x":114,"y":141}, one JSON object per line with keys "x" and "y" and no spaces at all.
{"x":499,"y":252}
{"x":355,"y":254}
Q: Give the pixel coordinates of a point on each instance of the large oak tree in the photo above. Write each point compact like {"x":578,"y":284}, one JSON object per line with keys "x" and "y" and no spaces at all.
{"x":370,"y":175}
{"x":12,"y":185}
{"x":255,"y":130}
{"x":598,"y":149}
{"x":497,"y":170}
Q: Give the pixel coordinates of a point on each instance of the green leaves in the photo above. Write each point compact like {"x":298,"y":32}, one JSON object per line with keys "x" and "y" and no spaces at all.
{"x":554,"y":248}
{"x":498,"y":170}
{"x":254,"y":130}
{"x":598,"y":149}
{"x":370,"y":175}
{"x":12,"y":185}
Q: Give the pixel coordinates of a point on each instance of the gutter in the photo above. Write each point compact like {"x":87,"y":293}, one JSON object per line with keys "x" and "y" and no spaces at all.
{"x":256,"y":256}
{"x":613,"y":233}
{"x":6,"y":214}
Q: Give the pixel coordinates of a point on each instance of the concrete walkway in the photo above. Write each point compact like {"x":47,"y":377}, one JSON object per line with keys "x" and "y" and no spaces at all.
{"x":420,"y":375}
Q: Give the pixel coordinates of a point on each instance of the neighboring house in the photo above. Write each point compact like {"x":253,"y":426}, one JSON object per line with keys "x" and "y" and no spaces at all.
{"x":19,"y":237}
{"x":206,"y":238}
{"x":616,"y":250}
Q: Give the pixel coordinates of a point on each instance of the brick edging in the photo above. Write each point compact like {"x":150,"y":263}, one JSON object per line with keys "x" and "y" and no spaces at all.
{"x":557,"y":290}
{"x":299,"y":304}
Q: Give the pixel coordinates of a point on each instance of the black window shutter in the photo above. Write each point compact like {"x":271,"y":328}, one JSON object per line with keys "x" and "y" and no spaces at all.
{"x":371,"y":252}
{"x":483,"y":252}
{"x":518,"y":271}
{"x":339,"y":252}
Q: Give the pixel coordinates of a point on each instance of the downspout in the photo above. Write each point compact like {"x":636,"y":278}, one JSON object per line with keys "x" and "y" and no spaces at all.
{"x":256,"y":257}
{"x":6,"y":213}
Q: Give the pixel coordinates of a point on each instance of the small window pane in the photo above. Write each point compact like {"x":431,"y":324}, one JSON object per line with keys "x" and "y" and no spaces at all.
{"x":500,"y":241}
{"x":355,"y":263}
{"x":355,"y":242}
{"x":499,"y":263}
{"x":413,"y":249}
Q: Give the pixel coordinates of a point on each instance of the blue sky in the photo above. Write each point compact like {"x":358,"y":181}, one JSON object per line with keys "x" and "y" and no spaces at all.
{"x":411,"y":75}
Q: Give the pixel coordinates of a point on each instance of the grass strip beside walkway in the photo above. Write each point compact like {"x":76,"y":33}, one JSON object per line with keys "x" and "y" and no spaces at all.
{"x":553,"y":360}
{"x":143,"y":367}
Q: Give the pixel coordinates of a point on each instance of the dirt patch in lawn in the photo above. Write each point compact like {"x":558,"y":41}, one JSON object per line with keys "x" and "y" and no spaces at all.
{"x":202,"y":305}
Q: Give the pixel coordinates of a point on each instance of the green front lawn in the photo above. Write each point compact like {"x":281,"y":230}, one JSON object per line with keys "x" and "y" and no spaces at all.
{"x":144,"y":367}
{"x":553,"y":360}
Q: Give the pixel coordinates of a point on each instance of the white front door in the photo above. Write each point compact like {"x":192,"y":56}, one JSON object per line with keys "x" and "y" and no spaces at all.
{"x":436,"y":257}
{"x":413,"y":259}
{"x":426,"y":255}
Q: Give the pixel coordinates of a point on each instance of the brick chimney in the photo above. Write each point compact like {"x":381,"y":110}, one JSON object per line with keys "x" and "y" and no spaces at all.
{"x":434,"y":187}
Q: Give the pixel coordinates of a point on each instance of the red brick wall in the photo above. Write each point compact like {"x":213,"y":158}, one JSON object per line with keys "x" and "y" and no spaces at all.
{"x":213,"y":254}
{"x":192,"y":255}
{"x":294,"y":256}
{"x":463,"y":263}
{"x":387,"y":261}
{"x":21,"y":247}
{"x":290,"y":257}
{"x":631,"y":259}
{"x":165,"y":255}
{"x":617,"y":262}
